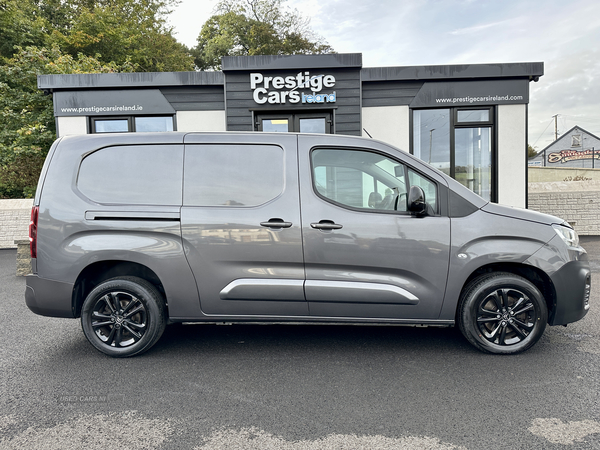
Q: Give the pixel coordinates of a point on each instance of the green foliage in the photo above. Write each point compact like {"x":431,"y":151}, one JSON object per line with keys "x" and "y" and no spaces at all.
{"x":61,"y":37}
{"x":531,"y":152}
{"x":254,"y":27}
{"x":27,"y":127}
{"x":20,"y":25}
{"x":124,"y":31}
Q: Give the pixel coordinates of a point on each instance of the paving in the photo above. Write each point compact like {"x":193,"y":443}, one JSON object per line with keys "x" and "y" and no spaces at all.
{"x":294,"y":387}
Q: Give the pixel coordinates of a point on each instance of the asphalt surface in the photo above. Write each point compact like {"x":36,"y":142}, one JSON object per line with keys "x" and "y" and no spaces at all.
{"x":294,"y":387}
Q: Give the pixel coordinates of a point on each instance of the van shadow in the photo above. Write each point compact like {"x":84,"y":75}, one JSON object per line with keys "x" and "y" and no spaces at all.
{"x":302,"y":339}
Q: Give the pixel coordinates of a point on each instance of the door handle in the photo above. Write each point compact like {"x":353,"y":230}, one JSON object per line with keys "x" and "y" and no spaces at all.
{"x":326,"y":225}
{"x":276,"y":223}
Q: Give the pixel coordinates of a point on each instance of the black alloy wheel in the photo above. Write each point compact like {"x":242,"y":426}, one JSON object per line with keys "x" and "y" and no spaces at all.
{"x":502,"y":313}
{"x":123,"y":316}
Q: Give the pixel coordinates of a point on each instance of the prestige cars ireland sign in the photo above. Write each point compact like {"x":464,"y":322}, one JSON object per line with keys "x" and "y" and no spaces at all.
{"x":300,"y":88}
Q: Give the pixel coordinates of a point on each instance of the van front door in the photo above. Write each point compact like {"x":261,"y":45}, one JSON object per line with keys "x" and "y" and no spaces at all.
{"x":366,"y":256}
{"x":241,"y":224}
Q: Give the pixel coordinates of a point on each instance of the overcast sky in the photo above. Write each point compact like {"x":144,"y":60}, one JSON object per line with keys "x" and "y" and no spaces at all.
{"x":565,"y":36}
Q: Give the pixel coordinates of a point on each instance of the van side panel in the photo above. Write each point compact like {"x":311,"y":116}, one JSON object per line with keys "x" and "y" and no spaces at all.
{"x":481,"y":239}
{"x":74,"y":231}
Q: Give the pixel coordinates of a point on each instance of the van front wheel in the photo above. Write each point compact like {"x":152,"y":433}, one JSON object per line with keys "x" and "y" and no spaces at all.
{"x":123,"y":316}
{"x":502,"y":313}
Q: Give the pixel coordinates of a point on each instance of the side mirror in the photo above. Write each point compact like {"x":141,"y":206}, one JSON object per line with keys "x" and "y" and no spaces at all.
{"x":416,"y":201}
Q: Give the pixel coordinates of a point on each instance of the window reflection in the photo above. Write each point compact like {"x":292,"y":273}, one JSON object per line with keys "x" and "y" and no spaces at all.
{"x":479,"y":115}
{"x":473,"y":160}
{"x":312,"y":125}
{"x":111,"y":126}
{"x":153,"y":124}
{"x":461,"y":148}
{"x":275,"y":125}
{"x":232,"y":175}
{"x":431,"y":133}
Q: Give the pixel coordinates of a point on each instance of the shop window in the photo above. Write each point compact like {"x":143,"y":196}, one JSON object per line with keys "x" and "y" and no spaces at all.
{"x":125,"y":124}
{"x":459,"y":142}
{"x":153,"y":123}
{"x":110,"y":125}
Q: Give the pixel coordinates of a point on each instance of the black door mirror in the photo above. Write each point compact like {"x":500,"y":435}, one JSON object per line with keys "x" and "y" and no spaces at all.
{"x":416,"y":201}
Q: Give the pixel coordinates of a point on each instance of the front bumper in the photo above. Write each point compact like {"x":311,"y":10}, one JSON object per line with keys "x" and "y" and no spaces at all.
{"x":48,"y":297}
{"x":572,"y":283}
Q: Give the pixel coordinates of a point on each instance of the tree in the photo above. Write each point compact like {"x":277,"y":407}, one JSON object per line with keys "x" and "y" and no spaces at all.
{"x":27,"y":126}
{"x":254,"y":27}
{"x":122,"y":31}
{"x":20,"y":25}
{"x":69,"y":36}
{"x":531,"y":152}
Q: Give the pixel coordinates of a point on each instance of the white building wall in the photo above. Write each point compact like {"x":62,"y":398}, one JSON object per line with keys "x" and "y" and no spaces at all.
{"x":201,"y":121}
{"x":389,"y":124}
{"x":67,"y":126}
{"x":512,"y":152}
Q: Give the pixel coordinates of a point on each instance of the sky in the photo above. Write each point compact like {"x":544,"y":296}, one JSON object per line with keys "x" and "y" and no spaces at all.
{"x":565,"y":36}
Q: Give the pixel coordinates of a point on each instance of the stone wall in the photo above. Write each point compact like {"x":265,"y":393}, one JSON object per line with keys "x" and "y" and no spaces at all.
{"x":577,"y":202}
{"x":14,"y":221}
{"x":548,"y":174}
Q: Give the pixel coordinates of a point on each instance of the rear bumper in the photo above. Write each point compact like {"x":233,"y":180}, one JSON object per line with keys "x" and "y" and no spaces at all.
{"x":48,"y":297}
{"x":572,"y":283}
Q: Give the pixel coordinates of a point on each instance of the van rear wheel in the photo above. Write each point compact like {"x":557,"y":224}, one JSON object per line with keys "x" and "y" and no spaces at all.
{"x":123,"y":316}
{"x":502,"y":313}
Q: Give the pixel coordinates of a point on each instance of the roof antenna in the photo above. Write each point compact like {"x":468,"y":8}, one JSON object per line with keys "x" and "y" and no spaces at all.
{"x":365,"y":130}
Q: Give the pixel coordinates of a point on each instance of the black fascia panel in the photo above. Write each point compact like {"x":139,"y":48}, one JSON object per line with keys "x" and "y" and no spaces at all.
{"x":272,"y":62}
{"x":128,"y":80}
{"x":530,"y":70}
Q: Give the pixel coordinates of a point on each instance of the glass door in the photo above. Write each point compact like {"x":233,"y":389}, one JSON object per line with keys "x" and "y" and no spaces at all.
{"x":473,"y":159}
{"x":316,"y":122}
{"x":280,"y":123}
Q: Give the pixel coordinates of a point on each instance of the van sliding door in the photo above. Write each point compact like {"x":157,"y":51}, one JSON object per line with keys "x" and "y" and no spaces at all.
{"x":240,"y":224}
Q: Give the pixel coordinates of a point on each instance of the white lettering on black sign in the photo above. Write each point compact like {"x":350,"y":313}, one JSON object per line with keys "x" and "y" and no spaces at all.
{"x":270,"y":89}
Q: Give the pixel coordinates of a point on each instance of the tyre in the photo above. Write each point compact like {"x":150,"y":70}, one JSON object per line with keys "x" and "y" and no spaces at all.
{"x":502,"y":313}
{"x":123,"y":316}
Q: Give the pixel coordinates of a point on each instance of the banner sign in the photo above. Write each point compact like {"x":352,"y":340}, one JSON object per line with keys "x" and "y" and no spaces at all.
{"x":299,"y":88}
{"x":572,"y":155}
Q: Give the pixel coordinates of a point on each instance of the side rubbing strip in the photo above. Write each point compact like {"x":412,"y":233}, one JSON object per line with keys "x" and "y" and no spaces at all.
{"x":264,"y":289}
{"x":160,"y":216}
{"x":357,"y":292}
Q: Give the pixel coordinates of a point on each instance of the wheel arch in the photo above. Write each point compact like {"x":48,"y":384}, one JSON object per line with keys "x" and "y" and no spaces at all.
{"x":533,"y":274}
{"x":97,"y":272}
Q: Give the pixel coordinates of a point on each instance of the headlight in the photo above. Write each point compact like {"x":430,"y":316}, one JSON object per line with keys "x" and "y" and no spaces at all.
{"x":567,"y":234}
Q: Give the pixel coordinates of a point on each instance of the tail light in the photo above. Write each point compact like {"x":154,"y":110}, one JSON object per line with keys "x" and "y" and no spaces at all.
{"x":33,"y":223}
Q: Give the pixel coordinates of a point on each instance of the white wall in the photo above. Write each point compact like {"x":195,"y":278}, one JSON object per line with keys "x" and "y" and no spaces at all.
{"x":389,"y":124}
{"x":201,"y":121}
{"x":512,"y":151}
{"x":71,"y":125}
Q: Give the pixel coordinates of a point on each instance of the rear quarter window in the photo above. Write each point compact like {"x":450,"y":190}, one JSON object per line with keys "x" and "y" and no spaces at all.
{"x":135,"y":175}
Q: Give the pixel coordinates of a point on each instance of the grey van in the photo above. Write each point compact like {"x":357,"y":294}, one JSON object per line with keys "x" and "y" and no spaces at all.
{"x":131,"y":232}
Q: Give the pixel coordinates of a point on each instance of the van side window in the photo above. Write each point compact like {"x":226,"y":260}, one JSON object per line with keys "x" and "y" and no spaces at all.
{"x":133,"y":175}
{"x":232,"y":175}
{"x":359,"y":179}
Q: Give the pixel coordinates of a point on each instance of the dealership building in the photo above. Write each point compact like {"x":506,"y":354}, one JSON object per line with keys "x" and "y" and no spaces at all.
{"x":470,"y":121}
